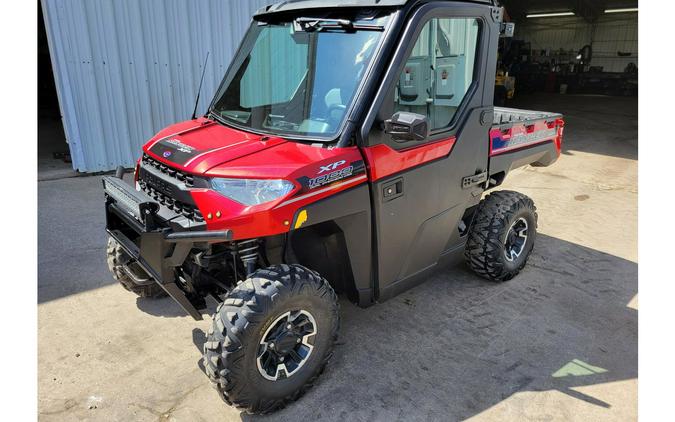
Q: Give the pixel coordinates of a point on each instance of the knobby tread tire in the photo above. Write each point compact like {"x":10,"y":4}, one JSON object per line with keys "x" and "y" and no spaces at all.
{"x":484,"y":252}
{"x":236,"y":325}
{"x":116,"y":258}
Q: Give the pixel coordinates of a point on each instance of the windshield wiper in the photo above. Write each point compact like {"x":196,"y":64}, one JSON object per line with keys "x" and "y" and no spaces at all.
{"x":318,"y":24}
{"x":217,"y":118}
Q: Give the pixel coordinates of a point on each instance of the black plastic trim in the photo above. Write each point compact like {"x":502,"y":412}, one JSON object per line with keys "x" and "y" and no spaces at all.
{"x":539,"y":155}
{"x":351,"y":211}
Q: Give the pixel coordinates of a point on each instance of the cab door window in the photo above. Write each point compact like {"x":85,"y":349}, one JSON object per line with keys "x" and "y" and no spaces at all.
{"x":439,"y":71}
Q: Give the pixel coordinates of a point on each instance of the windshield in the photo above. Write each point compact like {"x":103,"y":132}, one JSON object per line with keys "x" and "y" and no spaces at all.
{"x":297,"y":78}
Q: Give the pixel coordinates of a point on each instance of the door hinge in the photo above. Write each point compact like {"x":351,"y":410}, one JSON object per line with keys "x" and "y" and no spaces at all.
{"x":497,"y":13}
{"x":476,"y":179}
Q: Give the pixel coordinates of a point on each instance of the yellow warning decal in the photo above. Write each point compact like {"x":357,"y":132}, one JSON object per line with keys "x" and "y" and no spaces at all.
{"x":302,"y":217}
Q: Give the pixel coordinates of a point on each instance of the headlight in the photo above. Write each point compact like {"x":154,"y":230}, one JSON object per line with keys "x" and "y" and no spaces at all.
{"x":252,"y":191}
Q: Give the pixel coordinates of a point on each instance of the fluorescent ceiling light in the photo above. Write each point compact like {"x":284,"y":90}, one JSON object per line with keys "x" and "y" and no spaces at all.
{"x":548,"y":15}
{"x":628,"y":9}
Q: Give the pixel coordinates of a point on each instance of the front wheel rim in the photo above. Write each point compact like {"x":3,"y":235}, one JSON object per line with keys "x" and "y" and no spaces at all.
{"x":516,"y":239}
{"x":286,"y":345}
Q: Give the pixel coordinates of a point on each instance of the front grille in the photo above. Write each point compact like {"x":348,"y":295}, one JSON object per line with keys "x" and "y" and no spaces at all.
{"x":181,"y":176}
{"x":188,"y":211}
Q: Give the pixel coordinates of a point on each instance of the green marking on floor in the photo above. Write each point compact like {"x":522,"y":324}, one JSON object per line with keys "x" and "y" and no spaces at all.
{"x":577,"y":368}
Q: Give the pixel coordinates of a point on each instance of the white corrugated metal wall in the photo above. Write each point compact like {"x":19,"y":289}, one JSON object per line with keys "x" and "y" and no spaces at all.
{"x":612,"y":33}
{"x":124,"y":69}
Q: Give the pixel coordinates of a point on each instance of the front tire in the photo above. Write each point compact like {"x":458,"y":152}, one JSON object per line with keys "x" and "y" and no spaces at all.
{"x":501,"y":236}
{"x":271,"y":338}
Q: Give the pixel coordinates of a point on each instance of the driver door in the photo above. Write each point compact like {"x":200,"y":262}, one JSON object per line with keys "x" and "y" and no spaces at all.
{"x":439,"y":71}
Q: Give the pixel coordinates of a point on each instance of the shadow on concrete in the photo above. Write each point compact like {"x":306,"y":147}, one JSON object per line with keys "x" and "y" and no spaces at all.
{"x":199,"y":338}
{"x":164,"y":307}
{"x":458,"y":345}
{"x":71,"y":238}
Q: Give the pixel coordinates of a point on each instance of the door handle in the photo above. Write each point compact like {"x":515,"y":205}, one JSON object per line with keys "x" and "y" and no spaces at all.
{"x":392,"y":190}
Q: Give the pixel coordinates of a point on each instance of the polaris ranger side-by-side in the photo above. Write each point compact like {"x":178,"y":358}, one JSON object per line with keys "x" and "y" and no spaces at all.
{"x":346,"y":150}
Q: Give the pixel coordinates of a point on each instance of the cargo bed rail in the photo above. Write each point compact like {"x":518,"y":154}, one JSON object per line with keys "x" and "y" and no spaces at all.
{"x":509,"y":116}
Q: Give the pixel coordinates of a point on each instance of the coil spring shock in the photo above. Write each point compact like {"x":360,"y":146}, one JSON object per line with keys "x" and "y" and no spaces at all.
{"x":248,"y":253}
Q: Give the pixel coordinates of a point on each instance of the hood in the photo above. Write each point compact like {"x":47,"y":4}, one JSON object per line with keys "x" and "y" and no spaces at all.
{"x":197,"y":145}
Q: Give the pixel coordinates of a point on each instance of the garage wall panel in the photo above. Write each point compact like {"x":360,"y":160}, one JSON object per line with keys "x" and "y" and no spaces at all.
{"x":554,"y":33}
{"x":611,"y":34}
{"x":124,"y":69}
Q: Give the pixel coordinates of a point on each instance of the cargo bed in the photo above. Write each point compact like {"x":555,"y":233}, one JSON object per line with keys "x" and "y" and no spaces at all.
{"x":521,"y":137}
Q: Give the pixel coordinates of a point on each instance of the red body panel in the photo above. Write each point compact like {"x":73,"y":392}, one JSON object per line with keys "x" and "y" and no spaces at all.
{"x":384,"y":161}
{"x":220,"y":151}
{"x":292,"y":161}
{"x":265,"y":219}
{"x":289,"y":160}
{"x":213,"y":144}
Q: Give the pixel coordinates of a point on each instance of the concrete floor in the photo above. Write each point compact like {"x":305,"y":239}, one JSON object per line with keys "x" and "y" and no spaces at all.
{"x":559,"y":342}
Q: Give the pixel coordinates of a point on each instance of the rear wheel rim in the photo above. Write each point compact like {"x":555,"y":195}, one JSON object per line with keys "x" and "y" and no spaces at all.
{"x":516,"y":239}
{"x":286,"y":345}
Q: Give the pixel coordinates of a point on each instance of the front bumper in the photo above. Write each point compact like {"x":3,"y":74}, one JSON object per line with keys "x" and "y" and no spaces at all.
{"x":153,"y":236}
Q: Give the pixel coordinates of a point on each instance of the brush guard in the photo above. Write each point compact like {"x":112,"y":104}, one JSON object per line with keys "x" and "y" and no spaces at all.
{"x":155,"y":237}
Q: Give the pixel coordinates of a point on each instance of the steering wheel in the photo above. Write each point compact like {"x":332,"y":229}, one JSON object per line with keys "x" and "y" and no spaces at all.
{"x":330,"y":118}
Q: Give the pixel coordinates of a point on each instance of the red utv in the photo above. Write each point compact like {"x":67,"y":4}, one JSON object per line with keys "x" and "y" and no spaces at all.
{"x":346,"y":150}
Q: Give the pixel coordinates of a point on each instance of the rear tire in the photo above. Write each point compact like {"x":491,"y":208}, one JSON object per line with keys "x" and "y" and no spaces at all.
{"x":118,"y":257}
{"x":240,"y":344}
{"x":502,"y":235}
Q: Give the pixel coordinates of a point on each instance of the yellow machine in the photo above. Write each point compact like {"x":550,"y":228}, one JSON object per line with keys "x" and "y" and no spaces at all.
{"x":508,"y":82}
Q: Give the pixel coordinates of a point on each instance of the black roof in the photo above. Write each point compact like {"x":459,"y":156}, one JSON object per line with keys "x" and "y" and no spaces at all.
{"x":290,"y":5}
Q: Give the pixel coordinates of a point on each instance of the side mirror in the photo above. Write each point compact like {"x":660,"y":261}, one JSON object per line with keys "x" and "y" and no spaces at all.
{"x":405,"y":126}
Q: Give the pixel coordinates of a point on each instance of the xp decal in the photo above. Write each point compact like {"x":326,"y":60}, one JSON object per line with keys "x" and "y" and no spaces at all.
{"x":332,"y":173}
{"x":331,"y":177}
{"x":332,"y":166}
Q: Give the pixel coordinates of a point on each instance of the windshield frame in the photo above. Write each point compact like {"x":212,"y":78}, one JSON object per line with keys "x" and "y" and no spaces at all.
{"x":246,"y":46}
